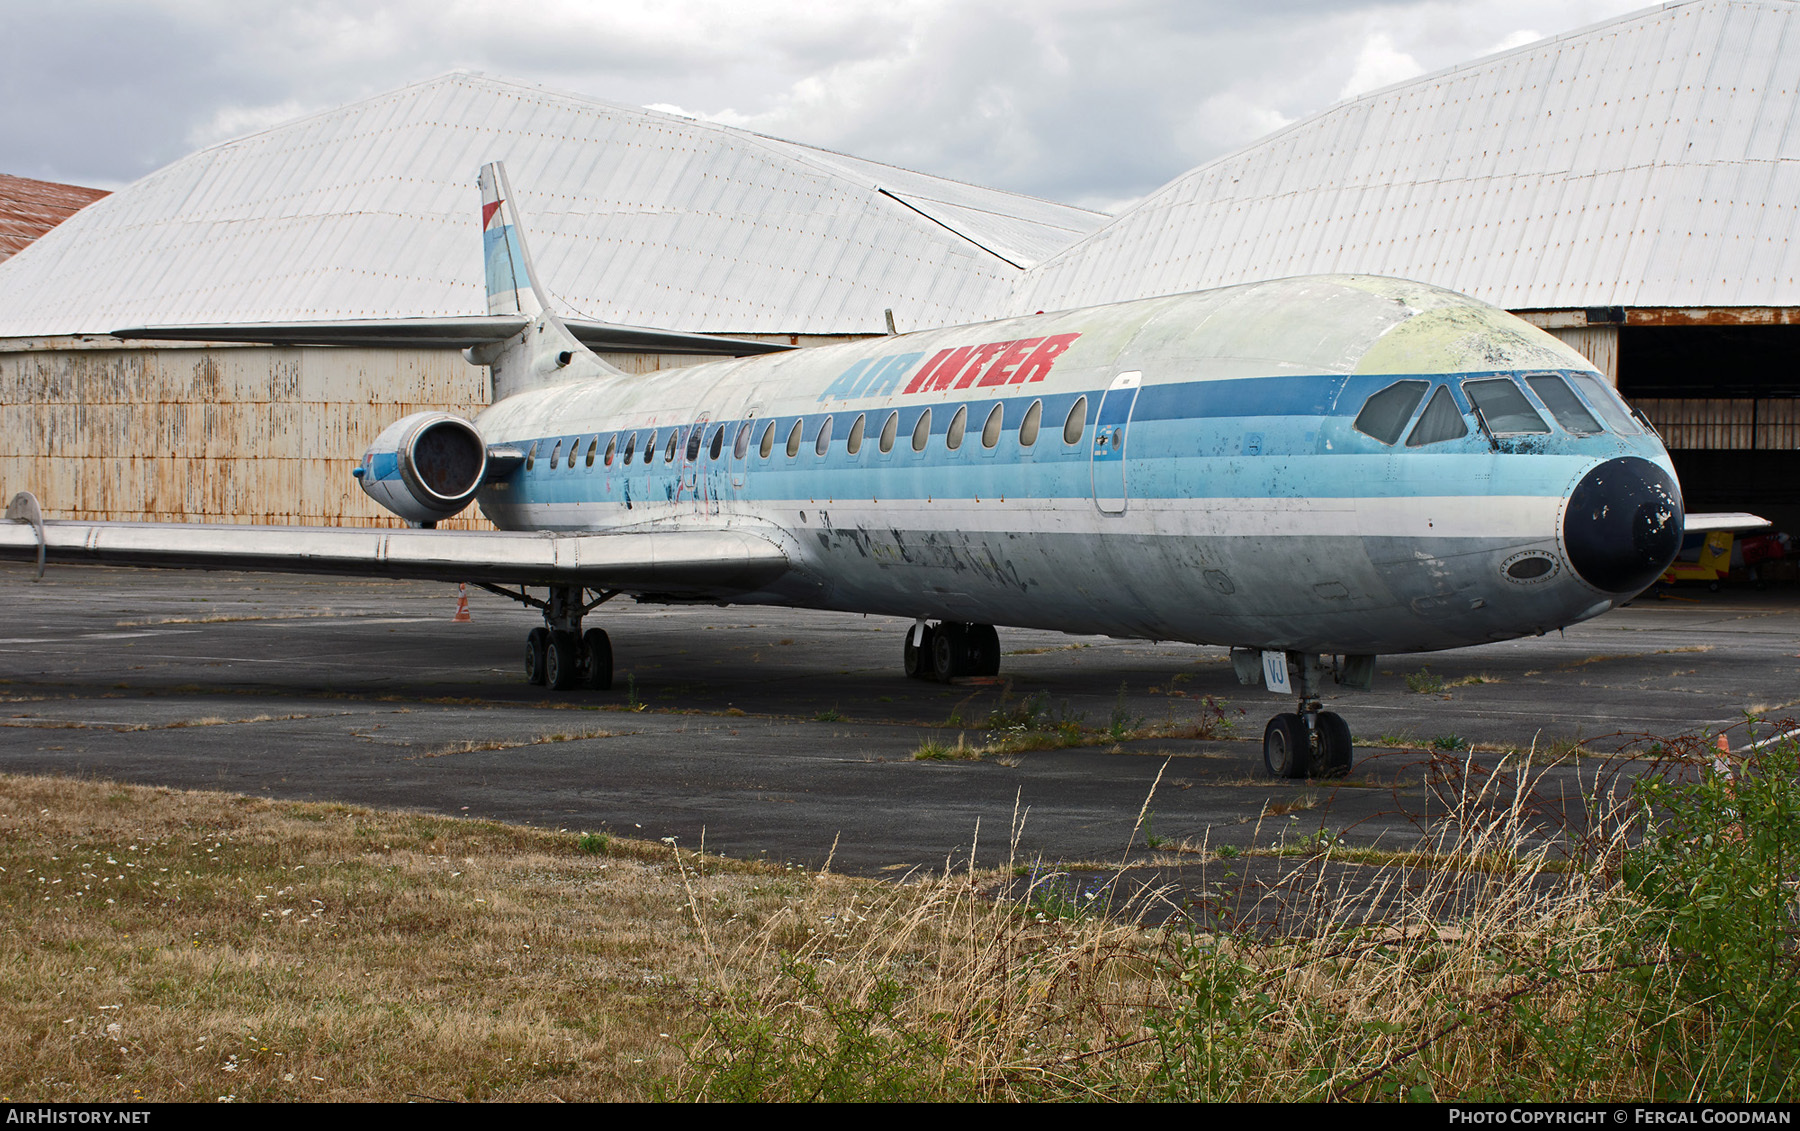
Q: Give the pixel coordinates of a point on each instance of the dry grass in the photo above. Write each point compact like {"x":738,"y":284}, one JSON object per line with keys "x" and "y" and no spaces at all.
{"x":175,"y":946}
{"x":166,"y":945}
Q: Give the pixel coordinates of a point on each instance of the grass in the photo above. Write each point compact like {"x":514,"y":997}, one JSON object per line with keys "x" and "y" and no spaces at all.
{"x":1016,"y":726}
{"x":162,"y":945}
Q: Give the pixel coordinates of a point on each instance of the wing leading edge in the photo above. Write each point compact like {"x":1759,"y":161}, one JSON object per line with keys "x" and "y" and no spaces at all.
{"x":688,"y":563}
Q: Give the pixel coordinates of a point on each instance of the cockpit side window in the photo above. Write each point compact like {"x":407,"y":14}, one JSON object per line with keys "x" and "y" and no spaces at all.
{"x":1385,"y":414}
{"x":1440,"y":421}
{"x":1607,"y":402}
{"x":1563,"y":404}
{"x":1504,"y":407}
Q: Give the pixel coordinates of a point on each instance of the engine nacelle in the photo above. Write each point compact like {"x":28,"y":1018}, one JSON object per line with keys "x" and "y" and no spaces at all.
{"x":424,"y":467}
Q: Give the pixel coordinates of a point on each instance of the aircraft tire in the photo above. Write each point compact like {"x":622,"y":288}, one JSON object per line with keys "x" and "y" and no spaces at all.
{"x":562,"y":661}
{"x":536,"y":641}
{"x":949,"y":652}
{"x":596,"y":660}
{"x":1285,"y":752}
{"x":1335,"y":745}
{"x":983,"y":649}
{"x":918,"y":658}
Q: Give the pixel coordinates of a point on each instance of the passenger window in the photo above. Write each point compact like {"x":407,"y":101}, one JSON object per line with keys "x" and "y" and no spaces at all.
{"x":793,"y":447}
{"x":695,"y":435}
{"x":1028,"y":428}
{"x":922,"y":431}
{"x":768,"y":440}
{"x":741,"y":446}
{"x":890,"y":430}
{"x":1440,"y":421}
{"x":953,"y":436}
{"x":650,"y":446}
{"x":990,"y":432}
{"x":718,"y":444}
{"x":854,"y":443}
{"x":669,"y":448}
{"x":574,"y":450}
{"x":630,"y":447}
{"x":1504,"y":407}
{"x":1563,"y":404}
{"x":1611,"y":408}
{"x":593,"y":446}
{"x":823,"y":443}
{"x":555,"y":455}
{"x":612,"y":448}
{"x":1385,"y":414}
{"x":531,"y":456}
{"x":1076,"y":424}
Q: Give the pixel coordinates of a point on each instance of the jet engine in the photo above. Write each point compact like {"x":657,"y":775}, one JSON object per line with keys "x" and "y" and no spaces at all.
{"x":424,"y":467}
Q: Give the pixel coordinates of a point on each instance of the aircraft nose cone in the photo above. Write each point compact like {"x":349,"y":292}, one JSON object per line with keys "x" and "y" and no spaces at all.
{"x":1624,"y":525}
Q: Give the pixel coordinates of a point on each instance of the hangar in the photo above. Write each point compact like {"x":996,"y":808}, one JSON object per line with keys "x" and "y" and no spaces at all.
{"x":1633,"y":187}
{"x":1630,"y":187}
{"x":370,"y":211}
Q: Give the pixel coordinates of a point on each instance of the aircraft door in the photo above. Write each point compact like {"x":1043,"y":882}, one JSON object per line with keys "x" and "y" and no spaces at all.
{"x":1111,"y":424}
{"x":693,"y":485}
{"x":743,"y":434}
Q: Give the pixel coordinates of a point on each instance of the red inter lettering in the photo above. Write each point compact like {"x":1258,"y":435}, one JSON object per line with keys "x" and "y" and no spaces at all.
{"x":977,"y":360}
{"x":1037,"y":366}
{"x":938,"y":371}
{"x":1003,"y":365}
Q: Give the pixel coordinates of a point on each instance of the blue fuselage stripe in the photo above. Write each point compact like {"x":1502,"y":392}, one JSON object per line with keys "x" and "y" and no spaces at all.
{"x":1267,"y":437}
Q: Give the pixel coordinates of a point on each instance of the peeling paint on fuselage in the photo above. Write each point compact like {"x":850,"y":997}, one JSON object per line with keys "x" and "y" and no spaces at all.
{"x":1255,"y":513}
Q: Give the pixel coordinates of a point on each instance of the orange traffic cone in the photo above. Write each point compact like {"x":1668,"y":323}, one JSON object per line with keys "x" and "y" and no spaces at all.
{"x":462,"y":604}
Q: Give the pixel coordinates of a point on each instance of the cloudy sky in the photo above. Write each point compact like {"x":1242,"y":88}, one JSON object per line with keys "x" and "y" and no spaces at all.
{"x":1088,"y":103}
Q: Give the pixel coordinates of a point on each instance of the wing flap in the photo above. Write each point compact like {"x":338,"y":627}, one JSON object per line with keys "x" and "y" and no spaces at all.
{"x":686,"y":562}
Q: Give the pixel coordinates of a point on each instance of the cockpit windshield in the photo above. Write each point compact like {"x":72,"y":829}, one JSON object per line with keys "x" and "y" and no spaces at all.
{"x":1504,"y":407}
{"x":1563,"y":404}
{"x":1385,"y":414}
{"x":1440,"y":421}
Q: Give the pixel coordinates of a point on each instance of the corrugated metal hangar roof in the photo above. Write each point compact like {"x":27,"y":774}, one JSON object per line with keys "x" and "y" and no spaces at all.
{"x":1653,"y":160}
{"x":634,"y":216}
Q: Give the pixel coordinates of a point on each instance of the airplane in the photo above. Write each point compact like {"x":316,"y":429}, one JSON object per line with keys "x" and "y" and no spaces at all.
{"x":1311,"y":471}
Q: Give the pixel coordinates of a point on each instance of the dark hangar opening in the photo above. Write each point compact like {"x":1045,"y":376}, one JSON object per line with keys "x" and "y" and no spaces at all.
{"x":1727,"y":402}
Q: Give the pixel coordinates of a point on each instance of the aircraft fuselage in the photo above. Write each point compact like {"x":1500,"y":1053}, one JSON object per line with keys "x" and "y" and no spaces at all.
{"x":1205,"y":467}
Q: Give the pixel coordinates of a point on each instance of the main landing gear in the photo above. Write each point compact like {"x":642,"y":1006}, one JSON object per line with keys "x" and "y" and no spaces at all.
{"x":560,"y":656}
{"x":1311,"y":741}
{"x":947,"y":649}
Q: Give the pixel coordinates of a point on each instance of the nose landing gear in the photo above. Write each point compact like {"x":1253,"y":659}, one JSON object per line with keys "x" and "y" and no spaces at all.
{"x":1310,"y":741}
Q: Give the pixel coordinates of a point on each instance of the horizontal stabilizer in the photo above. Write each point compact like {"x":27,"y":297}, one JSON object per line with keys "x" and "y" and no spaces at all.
{"x":689,"y":563}
{"x":448,"y":333}
{"x":1724,"y":520}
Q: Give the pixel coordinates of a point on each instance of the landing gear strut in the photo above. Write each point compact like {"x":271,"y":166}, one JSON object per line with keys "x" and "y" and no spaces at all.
{"x":1310,"y":741}
{"x":560,"y":656}
{"x":944,"y":650}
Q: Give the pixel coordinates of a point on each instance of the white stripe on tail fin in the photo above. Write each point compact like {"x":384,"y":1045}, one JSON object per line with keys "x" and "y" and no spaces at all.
{"x":545,"y":352}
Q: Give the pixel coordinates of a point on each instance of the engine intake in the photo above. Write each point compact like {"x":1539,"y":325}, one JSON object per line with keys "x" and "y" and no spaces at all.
{"x":424,"y":467}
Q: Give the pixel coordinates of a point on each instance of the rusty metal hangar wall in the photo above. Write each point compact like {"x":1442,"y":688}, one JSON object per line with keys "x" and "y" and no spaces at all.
{"x":102,"y":430}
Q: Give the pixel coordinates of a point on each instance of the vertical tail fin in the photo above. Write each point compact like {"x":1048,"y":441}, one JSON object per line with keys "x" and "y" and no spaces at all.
{"x":545,"y":353}
{"x":512,"y":286}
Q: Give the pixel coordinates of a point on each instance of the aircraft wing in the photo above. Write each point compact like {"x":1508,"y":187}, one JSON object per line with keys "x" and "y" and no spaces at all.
{"x":692,"y":563}
{"x":1723,"y":520}
{"x":447,"y":333}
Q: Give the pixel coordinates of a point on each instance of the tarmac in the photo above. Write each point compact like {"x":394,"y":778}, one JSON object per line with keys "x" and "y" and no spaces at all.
{"x":791,"y":736}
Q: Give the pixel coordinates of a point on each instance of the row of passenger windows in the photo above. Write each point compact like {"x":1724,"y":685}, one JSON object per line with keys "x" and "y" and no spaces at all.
{"x":714,"y":442}
{"x":1498,"y":402}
